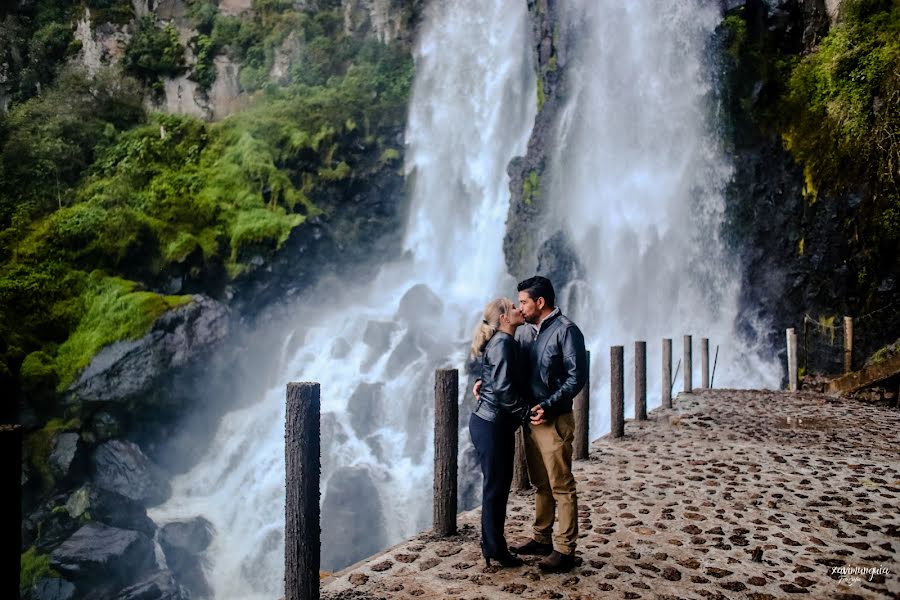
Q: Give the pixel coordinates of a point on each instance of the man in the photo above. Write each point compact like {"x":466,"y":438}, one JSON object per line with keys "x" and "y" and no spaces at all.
{"x":557,"y":370}
{"x":554,"y":355}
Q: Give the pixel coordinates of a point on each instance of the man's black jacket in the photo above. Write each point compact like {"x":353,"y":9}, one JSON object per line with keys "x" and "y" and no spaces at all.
{"x":556,"y":362}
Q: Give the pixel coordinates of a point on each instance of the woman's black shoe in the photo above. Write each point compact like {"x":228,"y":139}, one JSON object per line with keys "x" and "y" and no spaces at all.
{"x":510,"y":560}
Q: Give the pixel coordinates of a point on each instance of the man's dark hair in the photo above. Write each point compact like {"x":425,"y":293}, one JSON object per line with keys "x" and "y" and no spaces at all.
{"x":539,"y":287}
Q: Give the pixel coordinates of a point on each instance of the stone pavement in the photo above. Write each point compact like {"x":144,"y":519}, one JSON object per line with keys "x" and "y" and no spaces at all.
{"x":731,"y":494}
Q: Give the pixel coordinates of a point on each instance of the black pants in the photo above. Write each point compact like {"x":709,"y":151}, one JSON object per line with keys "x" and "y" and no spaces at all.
{"x":495,"y":445}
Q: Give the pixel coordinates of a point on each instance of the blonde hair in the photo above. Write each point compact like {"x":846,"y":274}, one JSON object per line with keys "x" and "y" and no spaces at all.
{"x":490,"y":322}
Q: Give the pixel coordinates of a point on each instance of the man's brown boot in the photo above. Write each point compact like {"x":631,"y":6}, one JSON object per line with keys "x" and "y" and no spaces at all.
{"x":557,"y":562}
{"x":532,"y":547}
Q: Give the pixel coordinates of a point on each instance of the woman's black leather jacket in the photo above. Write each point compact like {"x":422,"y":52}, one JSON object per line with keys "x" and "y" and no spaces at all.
{"x":501,"y":381}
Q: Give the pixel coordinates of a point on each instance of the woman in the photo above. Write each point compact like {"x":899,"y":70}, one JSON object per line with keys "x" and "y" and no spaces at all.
{"x":500,"y":411}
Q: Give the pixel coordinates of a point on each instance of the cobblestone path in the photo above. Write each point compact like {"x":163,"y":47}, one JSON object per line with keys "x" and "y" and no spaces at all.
{"x":731,"y":494}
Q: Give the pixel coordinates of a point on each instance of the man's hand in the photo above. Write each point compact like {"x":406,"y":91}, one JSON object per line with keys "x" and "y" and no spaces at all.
{"x":476,"y":389}
{"x":537,"y":415}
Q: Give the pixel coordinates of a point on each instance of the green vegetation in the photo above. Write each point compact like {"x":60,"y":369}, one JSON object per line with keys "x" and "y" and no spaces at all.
{"x":843,"y":100}
{"x":531,"y":188}
{"x":113,"y":309}
{"x":34,"y":567}
{"x":100,"y":203}
{"x":837,"y":109}
{"x":154,"y":52}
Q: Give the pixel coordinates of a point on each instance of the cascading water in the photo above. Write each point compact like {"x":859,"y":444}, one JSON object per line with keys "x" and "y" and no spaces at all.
{"x":637,"y":182}
{"x":471,"y":111}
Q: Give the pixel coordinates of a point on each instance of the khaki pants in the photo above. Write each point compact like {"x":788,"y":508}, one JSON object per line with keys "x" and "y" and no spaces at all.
{"x":548,"y":450}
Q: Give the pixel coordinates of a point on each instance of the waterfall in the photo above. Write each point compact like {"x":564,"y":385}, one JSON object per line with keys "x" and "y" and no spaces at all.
{"x":636,"y":182}
{"x":375,"y":347}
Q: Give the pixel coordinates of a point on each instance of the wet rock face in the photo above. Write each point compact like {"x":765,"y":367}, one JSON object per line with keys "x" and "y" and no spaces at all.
{"x":120,"y":466}
{"x":131,"y":368}
{"x":352,"y":528}
{"x":64,"y":455}
{"x":53,"y":589}
{"x":528,"y":219}
{"x":364,"y":408}
{"x":558,"y":261}
{"x":110,"y":508}
{"x":182,"y":542}
{"x":159,"y":585}
{"x":101,"y":557}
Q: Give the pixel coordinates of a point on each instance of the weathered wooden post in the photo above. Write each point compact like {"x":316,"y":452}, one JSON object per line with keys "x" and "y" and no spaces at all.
{"x":446,"y":446}
{"x":848,"y":344}
{"x":582,"y":413}
{"x":520,"y":480}
{"x":688,"y":368}
{"x":302,"y":462}
{"x":640,"y":381}
{"x":11,"y":530}
{"x":704,"y":363}
{"x":792,"y":359}
{"x":616,"y":391}
{"x":667,"y":373}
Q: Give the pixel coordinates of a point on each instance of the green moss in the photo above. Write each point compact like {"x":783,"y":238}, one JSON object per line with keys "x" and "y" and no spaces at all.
{"x":259,"y":229}
{"x":115,"y":309}
{"x":389,"y":155}
{"x":884,"y":353}
{"x":340,"y":171}
{"x":39,"y":444}
{"x":38,"y":371}
{"x":34,"y":567}
{"x":541,"y":95}
{"x":531,"y":188}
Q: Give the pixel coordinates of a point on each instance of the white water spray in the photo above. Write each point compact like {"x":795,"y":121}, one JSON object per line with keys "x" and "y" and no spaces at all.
{"x":471,"y":112}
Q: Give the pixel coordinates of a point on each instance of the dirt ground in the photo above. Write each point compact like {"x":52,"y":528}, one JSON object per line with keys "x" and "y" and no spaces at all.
{"x":731,"y":494}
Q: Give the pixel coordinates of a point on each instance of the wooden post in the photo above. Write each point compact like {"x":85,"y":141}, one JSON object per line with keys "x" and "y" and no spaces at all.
{"x":520,"y":466}
{"x":667,"y":373}
{"x":303,"y":469}
{"x":11,"y":529}
{"x":616,"y":391}
{"x":582,"y":413}
{"x":704,"y":363}
{"x":688,"y":386}
{"x":640,"y":381}
{"x":792,"y":359}
{"x":446,"y":446}
{"x":848,"y":344}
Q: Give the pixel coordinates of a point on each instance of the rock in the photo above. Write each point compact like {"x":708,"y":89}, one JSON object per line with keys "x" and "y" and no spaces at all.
{"x":351,"y":513}
{"x":100,"y":556}
{"x":62,"y":457}
{"x":340,"y":348}
{"x":192,"y":535}
{"x":182,"y":542}
{"x":52,"y":589}
{"x":404,"y":354}
{"x":558,"y":261}
{"x":159,"y":585}
{"x":377,"y":337}
{"x":419,"y":303}
{"x":105,"y":426}
{"x":120,"y":466}
{"x":53,"y":528}
{"x":110,"y":508}
{"x":129,"y":368}
{"x":365,"y":408}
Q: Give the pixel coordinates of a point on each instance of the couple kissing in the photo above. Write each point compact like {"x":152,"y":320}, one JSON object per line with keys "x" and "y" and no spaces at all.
{"x":532,"y":364}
